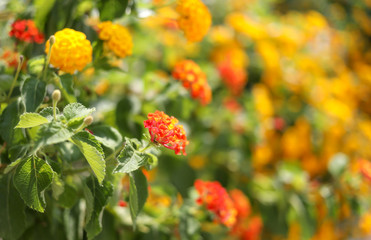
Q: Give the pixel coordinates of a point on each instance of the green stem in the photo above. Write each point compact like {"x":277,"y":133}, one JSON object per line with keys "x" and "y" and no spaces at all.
{"x":20,"y":63}
{"x":55,"y":110}
{"x":149,"y":145}
{"x":47,"y":60}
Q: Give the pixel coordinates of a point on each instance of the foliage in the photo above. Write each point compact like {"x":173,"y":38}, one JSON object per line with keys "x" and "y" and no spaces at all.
{"x":187,"y":119}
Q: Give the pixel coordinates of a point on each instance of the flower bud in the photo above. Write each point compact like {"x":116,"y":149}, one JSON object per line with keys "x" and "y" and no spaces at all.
{"x":88,"y":120}
{"x":56,"y":95}
{"x":52,"y":39}
{"x":21,"y":58}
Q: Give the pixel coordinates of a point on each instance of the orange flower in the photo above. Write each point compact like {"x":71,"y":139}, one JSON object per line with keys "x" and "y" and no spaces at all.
{"x":365,"y":167}
{"x":164,"y":131}
{"x":192,"y":77}
{"x":116,"y":37}
{"x":71,"y":50}
{"x":194,"y":20}
{"x":241,"y":203}
{"x":217,"y":200}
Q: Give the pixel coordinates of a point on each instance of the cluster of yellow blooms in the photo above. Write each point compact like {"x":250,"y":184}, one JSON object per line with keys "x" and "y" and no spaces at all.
{"x":194,"y":19}
{"x":71,"y":50}
{"x":116,"y":37}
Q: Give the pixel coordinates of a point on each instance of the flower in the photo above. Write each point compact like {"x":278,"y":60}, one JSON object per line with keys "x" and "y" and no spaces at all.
{"x":241,"y":203}
{"x":192,"y":77}
{"x":164,"y":131}
{"x":71,"y":50}
{"x":11,"y":58}
{"x":217,"y":200}
{"x":25,"y":30}
{"x":231,"y":61}
{"x":365,"y":167}
{"x":116,"y":37}
{"x":194,"y":20}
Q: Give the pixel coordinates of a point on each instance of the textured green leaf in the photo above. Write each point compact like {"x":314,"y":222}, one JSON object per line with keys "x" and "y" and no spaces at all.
{"x":130,"y":159}
{"x":28,"y":120}
{"x":32,"y":92}
{"x":52,"y":133}
{"x":12,"y":215}
{"x":8,"y":120}
{"x":92,"y":151}
{"x":48,"y":113}
{"x":96,"y":199}
{"x":107,"y":135}
{"x":138,"y":193}
{"x":31,"y":178}
{"x":76,"y":111}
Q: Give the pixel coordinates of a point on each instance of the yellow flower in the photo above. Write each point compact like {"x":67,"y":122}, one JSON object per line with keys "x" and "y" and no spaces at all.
{"x":194,"y":19}
{"x":365,"y":223}
{"x":71,"y":50}
{"x":116,"y":37}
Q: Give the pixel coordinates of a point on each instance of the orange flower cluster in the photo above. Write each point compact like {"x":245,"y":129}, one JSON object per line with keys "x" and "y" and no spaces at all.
{"x":365,"y":167}
{"x":246,"y":228}
{"x":71,"y":50}
{"x":26,"y":30}
{"x":164,"y":131}
{"x":217,"y":200}
{"x":11,"y":58}
{"x":192,"y":77}
{"x":194,"y":20}
{"x":116,"y":37}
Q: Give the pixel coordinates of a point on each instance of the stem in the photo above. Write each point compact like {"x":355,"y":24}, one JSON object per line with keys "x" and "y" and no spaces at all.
{"x":20,"y":63}
{"x":146,"y":147}
{"x":51,"y":42}
{"x":55,"y":110}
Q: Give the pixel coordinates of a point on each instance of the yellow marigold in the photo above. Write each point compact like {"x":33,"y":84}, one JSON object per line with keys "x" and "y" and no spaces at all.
{"x":71,"y":50}
{"x":116,"y":37}
{"x":194,"y":20}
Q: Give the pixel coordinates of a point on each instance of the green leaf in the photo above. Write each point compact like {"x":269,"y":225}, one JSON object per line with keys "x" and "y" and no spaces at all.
{"x":52,"y":133}
{"x":5,"y":82}
{"x":42,"y":8}
{"x":11,"y":166}
{"x":57,"y":187}
{"x":67,"y":87}
{"x":32,"y":92}
{"x":96,"y":199}
{"x":138,"y":193}
{"x":111,"y":9}
{"x":8,"y":120}
{"x":92,"y":151}
{"x":69,"y":196}
{"x":31,"y":178}
{"x":48,"y":113}
{"x":12,"y":215}
{"x":74,"y":112}
{"x":125,"y":111}
{"x":28,"y":120}
{"x":130,"y":158}
{"x":107,"y":135}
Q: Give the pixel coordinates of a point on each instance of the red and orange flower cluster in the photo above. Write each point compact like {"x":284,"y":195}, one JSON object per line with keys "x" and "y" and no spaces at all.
{"x":194,"y":79}
{"x":26,"y":30}
{"x":217,"y":200}
{"x":164,"y":131}
{"x":246,"y":227}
